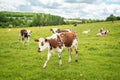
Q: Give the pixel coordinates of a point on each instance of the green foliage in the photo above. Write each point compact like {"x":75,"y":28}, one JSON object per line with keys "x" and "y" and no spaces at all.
{"x":111,"y":18}
{"x":29,"y":19}
{"x":46,"y":19}
{"x":99,"y":57}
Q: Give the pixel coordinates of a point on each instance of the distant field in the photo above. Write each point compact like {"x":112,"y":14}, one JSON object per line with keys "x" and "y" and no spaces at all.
{"x":99,"y":57}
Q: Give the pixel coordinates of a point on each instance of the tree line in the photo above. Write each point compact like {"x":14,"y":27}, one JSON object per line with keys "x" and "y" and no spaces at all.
{"x":20,"y":19}
{"x":112,"y":18}
{"x":25,"y":19}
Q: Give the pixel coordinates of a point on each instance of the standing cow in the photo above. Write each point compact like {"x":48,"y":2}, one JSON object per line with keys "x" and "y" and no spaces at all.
{"x":57,"y":42}
{"x":56,"y":30}
{"x":25,"y":34}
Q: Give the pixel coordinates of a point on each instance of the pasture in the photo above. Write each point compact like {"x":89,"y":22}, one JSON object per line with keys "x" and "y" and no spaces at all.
{"x":99,"y":57}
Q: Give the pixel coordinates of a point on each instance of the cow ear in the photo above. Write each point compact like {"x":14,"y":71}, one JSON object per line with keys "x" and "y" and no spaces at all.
{"x":36,"y":40}
{"x":51,"y":29}
{"x":58,"y":29}
{"x":46,"y":40}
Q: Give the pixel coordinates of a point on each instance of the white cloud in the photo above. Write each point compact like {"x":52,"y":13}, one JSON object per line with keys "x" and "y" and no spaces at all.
{"x":113,"y":0}
{"x":95,"y":9}
{"x":11,"y":5}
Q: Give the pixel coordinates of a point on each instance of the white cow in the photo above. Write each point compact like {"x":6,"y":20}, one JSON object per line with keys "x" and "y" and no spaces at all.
{"x":86,"y":32}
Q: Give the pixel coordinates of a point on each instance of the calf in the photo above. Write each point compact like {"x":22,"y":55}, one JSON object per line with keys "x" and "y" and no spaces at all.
{"x":25,"y":34}
{"x":55,"y":30}
{"x":57,"y":42}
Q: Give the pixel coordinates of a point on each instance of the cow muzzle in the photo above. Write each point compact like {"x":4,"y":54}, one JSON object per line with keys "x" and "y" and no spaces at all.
{"x":39,"y":50}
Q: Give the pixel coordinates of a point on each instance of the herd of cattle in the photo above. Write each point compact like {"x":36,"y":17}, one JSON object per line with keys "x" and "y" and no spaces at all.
{"x":59,"y":40}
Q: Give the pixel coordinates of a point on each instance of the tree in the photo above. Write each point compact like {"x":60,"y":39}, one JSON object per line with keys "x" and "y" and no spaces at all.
{"x":3,"y":20}
{"x":118,"y":17}
{"x":111,"y":18}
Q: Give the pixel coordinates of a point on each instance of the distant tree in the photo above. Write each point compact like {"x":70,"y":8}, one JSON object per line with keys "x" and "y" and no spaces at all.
{"x":3,"y":20}
{"x":83,"y":21}
{"x":111,"y":18}
{"x":118,"y":17}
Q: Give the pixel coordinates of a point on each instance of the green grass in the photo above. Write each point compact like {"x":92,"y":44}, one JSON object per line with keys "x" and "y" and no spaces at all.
{"x":99,"y":57}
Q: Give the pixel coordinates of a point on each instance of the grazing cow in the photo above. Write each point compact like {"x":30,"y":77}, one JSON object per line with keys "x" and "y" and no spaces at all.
{"x":75,"y":25}
{"x":86,"y":32}
{"x":25,"y":34}
{"x":55,"y":30}
{"x":57,"y":42}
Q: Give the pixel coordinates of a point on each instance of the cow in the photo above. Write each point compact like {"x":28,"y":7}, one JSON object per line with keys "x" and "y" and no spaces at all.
{"x":56,"y":30}
{"x":102,"y":32}
{"x":86,"y":32}
{"x":25,"y":34}
{"x":58,"y":42}
{"x":9,"y":29}
{"x":75,"y":25}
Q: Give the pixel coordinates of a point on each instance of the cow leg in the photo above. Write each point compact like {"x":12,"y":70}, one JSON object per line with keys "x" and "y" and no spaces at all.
{"x":48,"y":58}
{"x":70,"y":54}
{"x":28,"y":40}
{"x":23,"y":41}
{"x":60,"y":58}
{"x":19,"y":38}
{"x":76,"y":50}
{"x":60,"y":55}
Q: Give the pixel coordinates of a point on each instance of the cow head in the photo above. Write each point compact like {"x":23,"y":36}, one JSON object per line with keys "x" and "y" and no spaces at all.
{"x":29,"y":32}
{"x":54,"y":30}
{"x":43,"y":44}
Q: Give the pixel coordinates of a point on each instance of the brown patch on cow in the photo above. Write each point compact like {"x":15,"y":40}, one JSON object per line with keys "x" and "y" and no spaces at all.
{"x":53,"y":43}
{"x":67,"y":38}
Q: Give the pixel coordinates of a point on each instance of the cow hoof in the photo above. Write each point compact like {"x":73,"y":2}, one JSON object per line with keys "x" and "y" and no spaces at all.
{"x":44,"y":67}
{"x":76,"y":60}
{"x":60,"y":64}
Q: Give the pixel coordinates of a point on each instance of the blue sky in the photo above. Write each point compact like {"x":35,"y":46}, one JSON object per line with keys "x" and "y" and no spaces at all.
{"x":94,"y":9}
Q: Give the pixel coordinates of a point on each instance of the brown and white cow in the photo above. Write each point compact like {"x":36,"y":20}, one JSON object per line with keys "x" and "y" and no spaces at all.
{"x":25,"y":34}
{"x":57,"y":42}
{"x":56,"y":30}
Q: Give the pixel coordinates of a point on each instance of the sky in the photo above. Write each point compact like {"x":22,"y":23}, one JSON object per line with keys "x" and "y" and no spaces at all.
{"x":87,"y":9}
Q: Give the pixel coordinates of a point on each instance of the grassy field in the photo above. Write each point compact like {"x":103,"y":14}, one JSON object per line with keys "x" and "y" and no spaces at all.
{"x":99,"y":57}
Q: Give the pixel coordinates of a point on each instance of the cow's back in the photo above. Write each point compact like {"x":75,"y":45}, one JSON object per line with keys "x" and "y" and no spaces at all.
{"x":67,"y":38}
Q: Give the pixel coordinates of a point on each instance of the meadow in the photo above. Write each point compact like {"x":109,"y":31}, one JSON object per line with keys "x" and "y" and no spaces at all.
{"x":99,"y":57}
